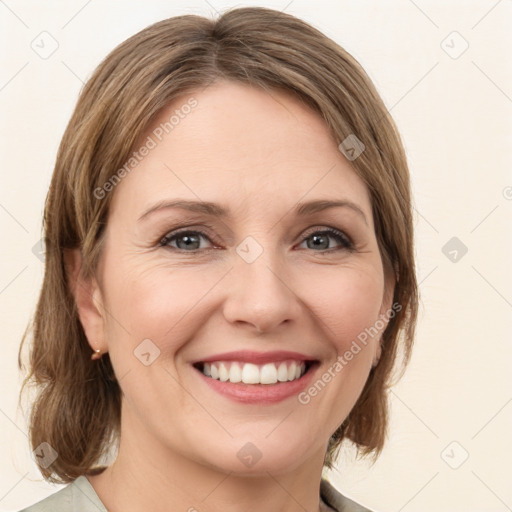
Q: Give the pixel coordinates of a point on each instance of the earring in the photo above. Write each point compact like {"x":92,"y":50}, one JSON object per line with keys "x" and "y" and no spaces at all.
{"x":96,"y":354}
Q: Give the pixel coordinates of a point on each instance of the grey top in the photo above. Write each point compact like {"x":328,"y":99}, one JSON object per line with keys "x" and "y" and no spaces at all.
{"x":79,"y":496}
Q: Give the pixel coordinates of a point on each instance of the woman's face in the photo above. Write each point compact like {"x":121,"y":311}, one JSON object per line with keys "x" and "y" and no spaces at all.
{"x":250,"y":274}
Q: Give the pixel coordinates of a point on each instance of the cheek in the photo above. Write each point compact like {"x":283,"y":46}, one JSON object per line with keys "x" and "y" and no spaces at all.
{"x":156,"y":302}
{"x":347,"y":302}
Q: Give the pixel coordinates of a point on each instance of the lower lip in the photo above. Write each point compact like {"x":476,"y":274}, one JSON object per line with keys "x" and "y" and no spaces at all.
{"x":259,"y":393}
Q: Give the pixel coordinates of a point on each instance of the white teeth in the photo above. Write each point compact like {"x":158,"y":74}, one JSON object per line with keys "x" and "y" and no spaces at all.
{"x":235,"y":373}
{"x":291,"y":371}
{"x":249,"y":373}
{"x":282,"y":373}
{"x":223,"y":372}
{"x":268,"y":374}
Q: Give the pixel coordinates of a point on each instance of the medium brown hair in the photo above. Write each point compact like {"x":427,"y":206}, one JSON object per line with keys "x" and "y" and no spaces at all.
{"x":78,"y":404}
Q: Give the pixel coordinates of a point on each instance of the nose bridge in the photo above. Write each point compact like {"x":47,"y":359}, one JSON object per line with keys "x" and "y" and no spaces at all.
{"x":260,"y":294}
{"x":260,"y":268}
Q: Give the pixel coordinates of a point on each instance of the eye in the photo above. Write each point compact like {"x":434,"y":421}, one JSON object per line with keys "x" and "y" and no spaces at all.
{"x":190,"y":240}
{"x":186,"y":240}
{"x":320,"y":239}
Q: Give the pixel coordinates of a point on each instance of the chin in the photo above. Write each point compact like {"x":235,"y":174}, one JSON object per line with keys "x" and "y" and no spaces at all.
{"x":258,"y":457}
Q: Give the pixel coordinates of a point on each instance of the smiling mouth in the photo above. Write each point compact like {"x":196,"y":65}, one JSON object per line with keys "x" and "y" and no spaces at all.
{"x":250,"y":373}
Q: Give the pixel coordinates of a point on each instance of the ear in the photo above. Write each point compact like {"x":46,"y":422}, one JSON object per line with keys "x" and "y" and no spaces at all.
{"x":390,"y":280}
{"x":386,"y":310}
{"x":88,"y":300}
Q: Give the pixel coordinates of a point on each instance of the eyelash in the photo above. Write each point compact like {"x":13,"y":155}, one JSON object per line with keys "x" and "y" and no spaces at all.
{"x":345,"y":241}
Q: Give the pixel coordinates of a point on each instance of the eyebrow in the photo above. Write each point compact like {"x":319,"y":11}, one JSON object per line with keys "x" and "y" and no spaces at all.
{"x":216,"y":210}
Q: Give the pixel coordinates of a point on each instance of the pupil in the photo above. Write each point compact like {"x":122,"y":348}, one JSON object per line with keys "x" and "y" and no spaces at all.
{"x":318,"y":239}
{"x":187,"y":240}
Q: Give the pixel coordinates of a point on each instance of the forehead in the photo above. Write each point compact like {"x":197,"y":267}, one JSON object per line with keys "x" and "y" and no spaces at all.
{"x":242,"y":146}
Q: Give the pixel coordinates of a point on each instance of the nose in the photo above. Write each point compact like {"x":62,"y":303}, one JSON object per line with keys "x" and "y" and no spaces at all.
{"x":261,"y":295}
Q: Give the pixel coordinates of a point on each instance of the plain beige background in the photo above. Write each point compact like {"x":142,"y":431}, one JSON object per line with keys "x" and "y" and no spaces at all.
{"x":444,"y":71}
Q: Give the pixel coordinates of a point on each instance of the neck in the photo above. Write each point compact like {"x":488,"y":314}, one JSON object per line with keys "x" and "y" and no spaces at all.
{"x":148,"y":476}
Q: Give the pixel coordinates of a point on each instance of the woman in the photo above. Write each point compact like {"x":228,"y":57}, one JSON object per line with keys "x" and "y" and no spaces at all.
{"x":229,"y":273}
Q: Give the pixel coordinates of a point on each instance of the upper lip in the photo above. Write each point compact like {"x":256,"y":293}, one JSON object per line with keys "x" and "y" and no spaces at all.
{"x":248,"y":356}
